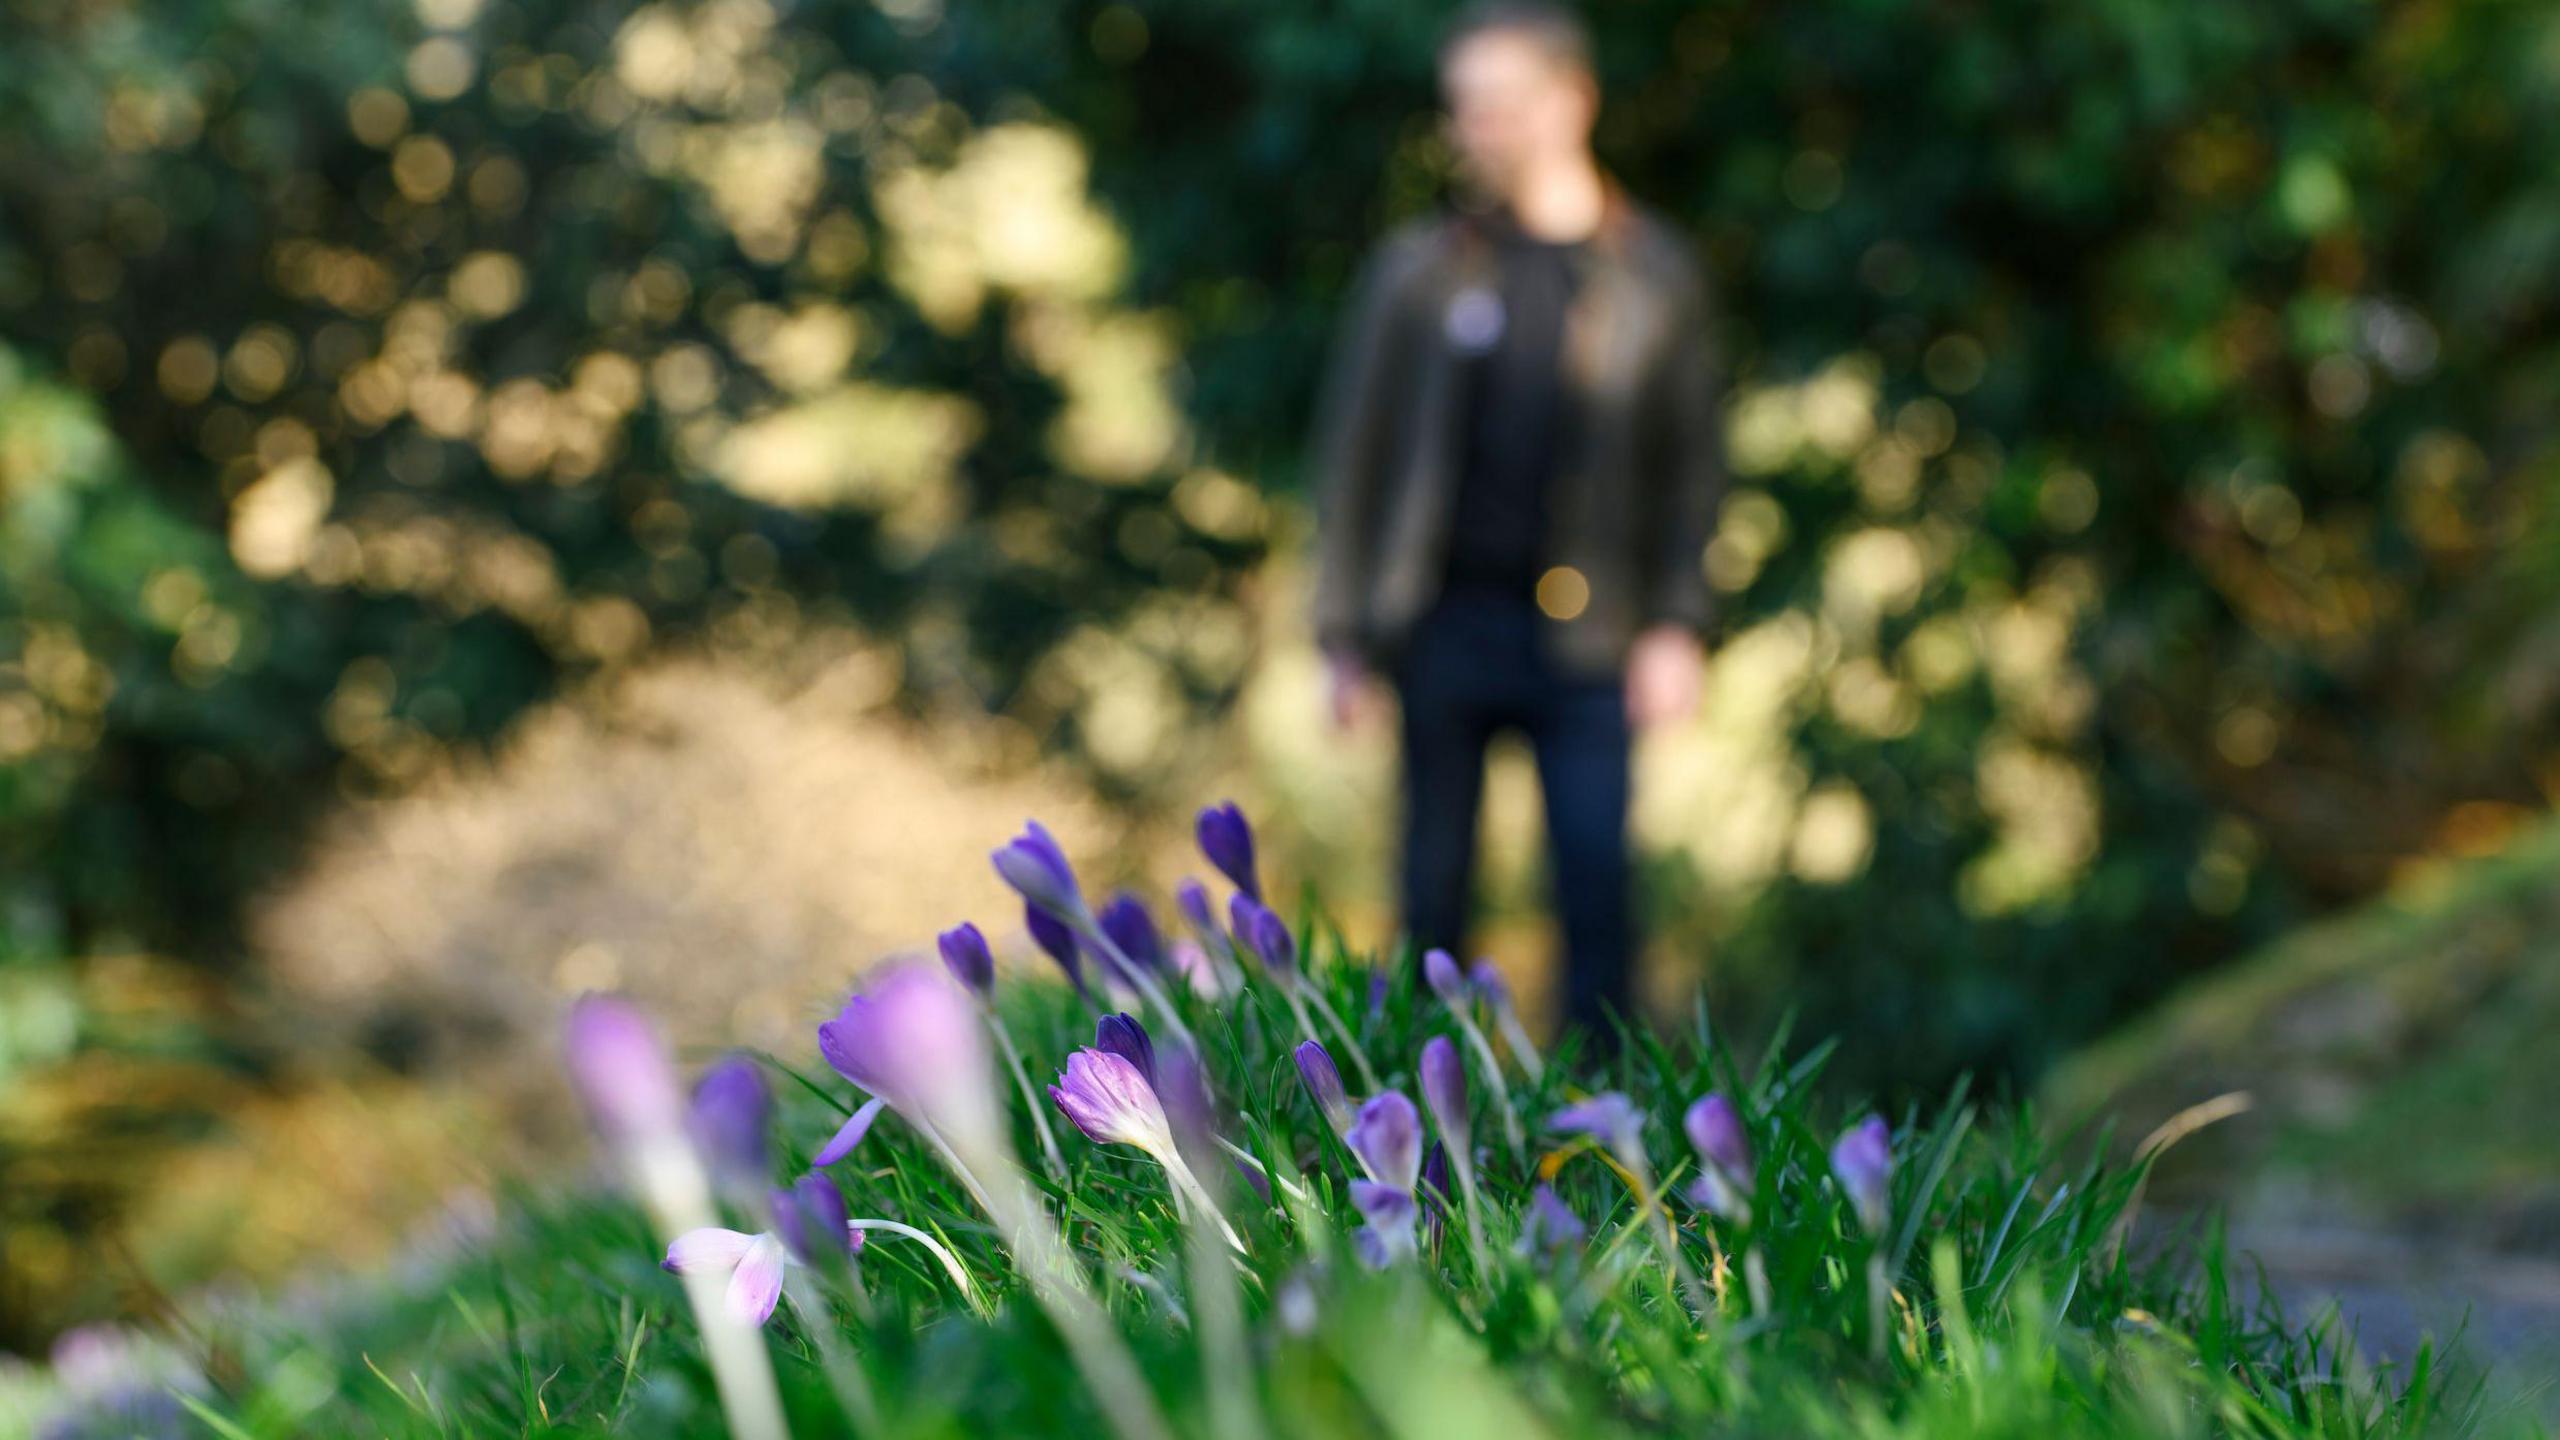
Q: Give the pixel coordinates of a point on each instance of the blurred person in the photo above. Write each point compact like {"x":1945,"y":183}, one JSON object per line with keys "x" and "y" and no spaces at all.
{"x":1518,"y":466}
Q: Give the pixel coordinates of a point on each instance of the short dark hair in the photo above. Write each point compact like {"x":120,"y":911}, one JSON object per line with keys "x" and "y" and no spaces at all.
{"x":1558,"y":33}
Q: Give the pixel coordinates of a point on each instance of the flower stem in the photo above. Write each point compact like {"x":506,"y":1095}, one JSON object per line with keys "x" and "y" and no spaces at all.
{"x":1877,"y":1289}
{"x":844,"y":1374}
{"x":1525,"y":1050}
{"x":1288,"y":1187}
{"x":1755,"y":1274}
{"x":1501,"y":1087}
{"x":1359,"y":1057}
{"x":1049,"y":1155}
{"x":1189,"y":1185}
{"x":1465,"y":1165}
{"x":1138,"y":978}
{"x":950,"y":1263}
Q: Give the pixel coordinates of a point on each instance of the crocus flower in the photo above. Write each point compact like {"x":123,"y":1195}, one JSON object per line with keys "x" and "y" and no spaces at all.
{"x":1264,"y":934}
{"x":115,"y":1384}
{"x":1609,"y":1117}
{"x":753,"y":1264}
{"x":1377,"y":996}
{"x":1056,"y":941}
{"x":1324,"y":1086}
{"x":621,"y":1069}
{"x":1037,"y":869}
{"x":1435,"y":1190}
{"x":1863,"y":1161}
{"x":1724,"y":1182}
{"x":810,"y":1219}
{"x":1191,"y":961}
{"x":1444,"y":1086}
{"x":1550,"y":1228}
{"x":1447,"y":981}
{"x":1192,"y":899}
{"x":1110,"y":1100}
{"x":965,"y":954}
{"x":732,"y":1108}
{"x":1123,"y":1036}
{"x":1228,"y":842}
{"x":1387,"y":1133}
{"x":1124,"y":918}
{"x":913,"y":1039}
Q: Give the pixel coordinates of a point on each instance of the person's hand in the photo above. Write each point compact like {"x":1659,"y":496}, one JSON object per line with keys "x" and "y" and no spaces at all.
{"x":1351,"y":692}
{"x":1664,"y":675}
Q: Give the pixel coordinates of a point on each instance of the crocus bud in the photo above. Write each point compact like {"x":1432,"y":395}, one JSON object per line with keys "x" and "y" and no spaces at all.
{"x":1192,"y":899}
{"x":1263,"y":933}
{"x":621,"y":1070}
{"x":732,"y":1108}
{"x":1123,"y":1036}
{"x":1444,"y":1087}
{"x":1228,"y":842}
{"x":1435,"y":1189}
{"x":1447,"y":981}
{"x":1489,"y":985}
{"x":1198,"y":971}
{"x":1055,"y":941}
{"x":1387,"y":1136}
{"x":1863,"y":1161}
{"x":810,"y":1217}
{"x":1324,"y":1086}
{"x":1723,"y":1186}
{"x":1037,"y":869}
{"x":1377,"y":996}
{"x":965,"y":954}
{"x":1124,"y":919}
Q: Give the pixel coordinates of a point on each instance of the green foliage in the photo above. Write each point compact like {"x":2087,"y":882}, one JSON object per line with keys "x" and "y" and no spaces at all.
{"x":2015,"y":1311}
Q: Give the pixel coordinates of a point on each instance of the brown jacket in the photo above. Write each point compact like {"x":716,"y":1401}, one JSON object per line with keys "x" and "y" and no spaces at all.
{"x":1633,"y":502}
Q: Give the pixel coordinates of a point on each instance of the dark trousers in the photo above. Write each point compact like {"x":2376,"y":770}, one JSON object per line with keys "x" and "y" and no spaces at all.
{"x":1476,"y":667}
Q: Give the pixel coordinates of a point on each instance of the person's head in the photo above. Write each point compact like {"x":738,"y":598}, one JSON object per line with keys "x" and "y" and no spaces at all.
{"x":1517,"y":78}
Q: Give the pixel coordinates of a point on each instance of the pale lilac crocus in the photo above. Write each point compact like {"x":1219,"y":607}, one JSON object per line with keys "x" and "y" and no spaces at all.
{"x":1444,"y":1089}
{"x":732,"y":1109}
{"x":1550,"y":1229}
{"x":1110,"y":1099}
{"x":1725,"y":1176}
{"x":1440,"y":969}
{"x":1613,"y":1120}
{"x":621,"y":1070}
{"x":1495,"y":992}
{"x":1862,"y":1159}
{"x":1199,"y":970}
{"x":1227,"y":840}
{"x":912,"y":1038}
{"x":1387,"y":1136}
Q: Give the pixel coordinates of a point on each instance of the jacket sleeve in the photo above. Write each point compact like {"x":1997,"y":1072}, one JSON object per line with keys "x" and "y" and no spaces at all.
{"x":1688,"y":463}
{"x":1349,"y":449}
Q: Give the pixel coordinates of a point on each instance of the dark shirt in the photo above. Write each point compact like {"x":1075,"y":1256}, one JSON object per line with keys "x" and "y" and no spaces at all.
{"x":1516,"y":412}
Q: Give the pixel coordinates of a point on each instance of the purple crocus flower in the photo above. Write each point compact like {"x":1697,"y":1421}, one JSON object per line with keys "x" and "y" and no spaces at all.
{"x":1265,"y":934}
{"x":1192,"y":899}
{"x":1387,"y":1135}
{"x":1124,"y":919}
{"x":732,"y":1107}
{"x":1191,"y":962}
{"x":753,"y":1263}
{"x":1228,"y":842}
{"x":1435,"y":1189}
{"x":1123,"y":1036}
{"x":1609,"y":1117}
{"x":1489,"y":985}
{"x":1440,"y":970}
{"x":1551,"y":1227}
{"x":1324,"y":1086}
{"x":913,"y":1038}
{"x":1110,"y":1100}
{"x":1377,"y":996}
{"x":1389,"y":1235}
{"x":621,"y":1069}
{"x":810,"y":1219}
{"x":1724,"y":1182}
{"x":1444,"y":1087}
{"x":1863,"y":1161}
{"x":1037,"y":869}
{"x":965,"y":953}
{"x":1056,"y":941}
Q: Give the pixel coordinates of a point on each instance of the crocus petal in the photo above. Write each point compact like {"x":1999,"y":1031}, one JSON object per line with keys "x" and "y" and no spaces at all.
{"x":757,"y":1284}
{"x":1055,"y":941}
{"x":1715,"y":1130}
{"x":1551,"y":1225}
{"x":1863,"y":1160}
{"x":914,"y":1039}
{"x":621,"y":1069}
{"x":1124,"y":919}
{"x":1489,"y":985}
{"x":1192,"y":899}
{"x":1263,"y":933}
{"x":709,"y":1248}
{"x":1383,"y":1205}
{"x":1123,"y":1036}
{"x":849,"y":1134}
{"x":732,"y":1108}
{"x":1609,"y":1117}
{"x":1037,"y":870}
{"x":1324,"y":1085}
